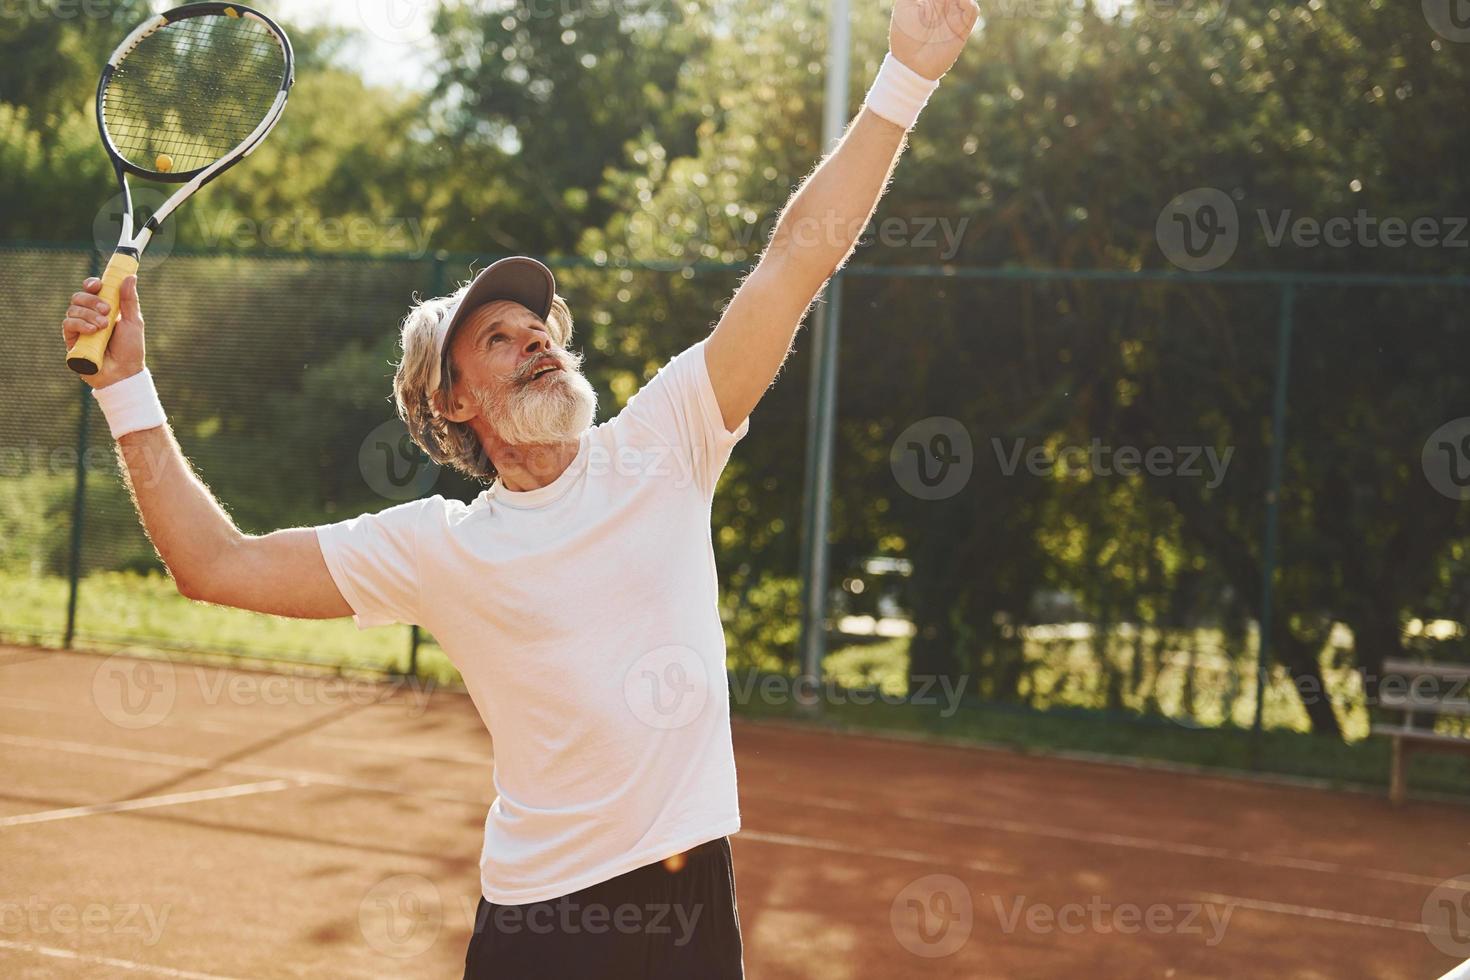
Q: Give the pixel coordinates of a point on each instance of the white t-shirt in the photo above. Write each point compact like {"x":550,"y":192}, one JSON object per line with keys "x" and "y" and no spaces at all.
{"x":583,"y":618}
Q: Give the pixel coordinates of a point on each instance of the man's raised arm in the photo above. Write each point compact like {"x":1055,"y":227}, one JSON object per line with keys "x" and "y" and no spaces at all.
{"x":208,"y":556}
{"x":821,"y":223}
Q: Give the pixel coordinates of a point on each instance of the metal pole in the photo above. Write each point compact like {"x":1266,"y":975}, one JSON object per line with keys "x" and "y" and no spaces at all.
{"x":820,"y":438}
{"x":78,"y":496}
{"x":839,"y":54}
{"x":78,"y":513}
{"x":822,"y":393}
{"x":1273,"y":506}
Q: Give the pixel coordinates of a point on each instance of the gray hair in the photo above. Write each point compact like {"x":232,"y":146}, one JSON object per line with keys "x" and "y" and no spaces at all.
{"x":448,"y":443}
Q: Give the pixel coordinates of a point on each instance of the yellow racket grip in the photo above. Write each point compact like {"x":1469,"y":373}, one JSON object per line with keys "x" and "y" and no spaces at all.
{"x":85,"y":356}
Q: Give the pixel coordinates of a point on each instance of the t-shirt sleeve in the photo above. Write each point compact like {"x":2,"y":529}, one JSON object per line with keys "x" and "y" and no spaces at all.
{"x":677,"y":407}
{"x":374,"y":559}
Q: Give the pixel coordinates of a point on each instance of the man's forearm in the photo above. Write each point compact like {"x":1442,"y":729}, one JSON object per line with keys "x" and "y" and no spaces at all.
{"x":821,"y":223}
{"x":283,"y":572}
{"x":185,"y":523}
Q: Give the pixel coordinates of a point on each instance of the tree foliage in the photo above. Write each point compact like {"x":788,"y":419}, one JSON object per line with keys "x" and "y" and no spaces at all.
{"x":641,"y":132}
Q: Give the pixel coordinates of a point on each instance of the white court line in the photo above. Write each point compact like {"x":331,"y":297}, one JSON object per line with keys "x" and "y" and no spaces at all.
{"x":68,"y":954}
{"x":820,"y":844}
{"x":307,"y":778}
{"x":104,"y":751}
{"x":149,"y":802}
{"x":1307,"y":911}
{"x":1027,"y":828}
{"x":333,"y":741}
{"x":1175,"y":847}
{"x":304,"y":777}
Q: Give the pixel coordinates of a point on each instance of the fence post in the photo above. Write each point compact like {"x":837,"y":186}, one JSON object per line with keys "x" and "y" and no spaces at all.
{"x":78,"y":513}
{"x":79,"y":490}
{"x":817,"y":498}
{"x":1273,"y":505}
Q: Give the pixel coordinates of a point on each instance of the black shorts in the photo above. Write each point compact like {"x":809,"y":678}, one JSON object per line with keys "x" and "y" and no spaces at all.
{"x":654,"y":922}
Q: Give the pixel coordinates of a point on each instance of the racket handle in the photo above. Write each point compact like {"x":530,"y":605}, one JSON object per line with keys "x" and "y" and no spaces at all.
{"x":85,"y":356}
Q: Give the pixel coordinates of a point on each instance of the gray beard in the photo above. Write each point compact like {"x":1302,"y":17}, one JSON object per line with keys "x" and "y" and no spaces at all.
{"x":555,"y":410}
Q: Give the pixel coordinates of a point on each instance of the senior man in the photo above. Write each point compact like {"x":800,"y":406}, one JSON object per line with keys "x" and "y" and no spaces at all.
{"x":577,"y":593}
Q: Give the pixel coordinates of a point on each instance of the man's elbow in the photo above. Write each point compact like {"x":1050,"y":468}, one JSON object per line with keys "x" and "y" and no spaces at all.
{"x":208,"y":581}
{"x":192,"y":585}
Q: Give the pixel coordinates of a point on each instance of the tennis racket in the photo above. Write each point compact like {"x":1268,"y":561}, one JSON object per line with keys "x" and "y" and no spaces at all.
{"x":188,"y":94}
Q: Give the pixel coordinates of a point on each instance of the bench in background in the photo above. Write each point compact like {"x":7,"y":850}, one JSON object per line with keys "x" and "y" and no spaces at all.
{"x":1423,"y":693}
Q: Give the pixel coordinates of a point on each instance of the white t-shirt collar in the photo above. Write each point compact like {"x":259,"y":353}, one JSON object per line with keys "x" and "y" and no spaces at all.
{"x":541,"y":496}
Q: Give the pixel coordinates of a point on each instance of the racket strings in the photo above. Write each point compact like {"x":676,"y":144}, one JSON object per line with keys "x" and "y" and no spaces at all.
{"x":192,"y":91}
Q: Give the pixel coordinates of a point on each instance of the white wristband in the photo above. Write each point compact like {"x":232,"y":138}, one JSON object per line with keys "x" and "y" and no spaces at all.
{"x":131,"y":405}
{"x":899,"y":93}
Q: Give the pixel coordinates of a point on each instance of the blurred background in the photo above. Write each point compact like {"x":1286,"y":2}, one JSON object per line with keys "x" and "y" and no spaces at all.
{"x":1172,"y":293}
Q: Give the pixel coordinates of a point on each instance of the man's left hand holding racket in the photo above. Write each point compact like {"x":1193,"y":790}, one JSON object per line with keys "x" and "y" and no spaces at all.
{"x":89,"y":315}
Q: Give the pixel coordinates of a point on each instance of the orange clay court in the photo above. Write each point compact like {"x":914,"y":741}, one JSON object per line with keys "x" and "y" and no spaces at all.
{"x":270,"y":825}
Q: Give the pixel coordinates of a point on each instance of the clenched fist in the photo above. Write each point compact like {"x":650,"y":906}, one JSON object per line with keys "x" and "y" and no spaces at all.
{"x":88,"y":314}
{"x":928,"y":35}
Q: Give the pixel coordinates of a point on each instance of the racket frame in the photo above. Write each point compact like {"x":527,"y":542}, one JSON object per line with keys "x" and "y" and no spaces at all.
{"x":87,"y":353}
{"x":136,"y":241}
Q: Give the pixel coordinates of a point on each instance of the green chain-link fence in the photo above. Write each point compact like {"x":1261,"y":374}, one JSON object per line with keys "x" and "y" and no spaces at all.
{"x":1067,"y":491}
